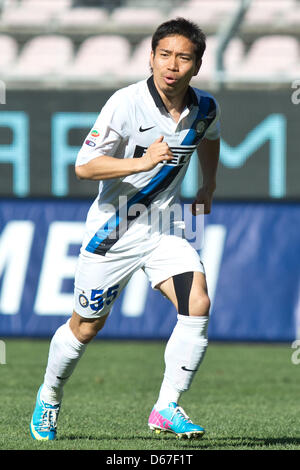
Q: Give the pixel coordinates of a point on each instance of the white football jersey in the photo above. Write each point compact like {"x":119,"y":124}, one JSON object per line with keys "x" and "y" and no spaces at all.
{"x":131,"y":120}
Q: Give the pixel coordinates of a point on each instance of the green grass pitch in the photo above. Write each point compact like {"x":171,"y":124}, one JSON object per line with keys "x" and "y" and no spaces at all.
{"x":246,"y":397}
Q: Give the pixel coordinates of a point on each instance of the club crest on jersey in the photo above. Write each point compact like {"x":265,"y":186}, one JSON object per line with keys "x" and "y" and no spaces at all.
{"x":200,"y":127}
{"x":83,"y":300}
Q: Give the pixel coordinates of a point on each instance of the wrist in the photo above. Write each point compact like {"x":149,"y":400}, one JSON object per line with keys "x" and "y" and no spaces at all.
{"x":137,"y":165}
{"x":144,"y":163}
{"x":209,"y":186}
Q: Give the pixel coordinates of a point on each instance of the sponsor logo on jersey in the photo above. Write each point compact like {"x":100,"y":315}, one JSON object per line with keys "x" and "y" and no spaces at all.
{"x":90,"y":143}
{"x":181,"y":154}
{"x":95,"y":133}
{"x":141,"y":129}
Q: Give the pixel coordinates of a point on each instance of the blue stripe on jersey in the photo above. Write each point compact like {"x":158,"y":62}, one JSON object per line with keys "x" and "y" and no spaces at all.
{"x":104,"y":232}
{"x":152,"y":185}
{"x":141,"y":196}
{"x":206,"y":106}
{"x":155,"y":186}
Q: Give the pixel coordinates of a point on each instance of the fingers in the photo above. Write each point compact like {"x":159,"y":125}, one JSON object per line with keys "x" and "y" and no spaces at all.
{"x":198,"y":208}
{"x":165,"y":149}
{"x":161,"y":150}
{"x":157,"y":152}
{"x":160,"y":146}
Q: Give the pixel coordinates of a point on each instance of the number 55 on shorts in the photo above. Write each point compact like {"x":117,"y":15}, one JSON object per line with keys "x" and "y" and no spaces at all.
{"x":95,"y":303}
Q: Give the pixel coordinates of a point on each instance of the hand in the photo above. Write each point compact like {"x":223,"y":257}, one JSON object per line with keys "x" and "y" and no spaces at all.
{"x":156,"y":153}
{"x":204,"y":197}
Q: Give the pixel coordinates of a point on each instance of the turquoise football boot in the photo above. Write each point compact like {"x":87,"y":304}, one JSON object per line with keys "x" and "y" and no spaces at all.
{"x":44,"y":420}
{"x":173,"y":419}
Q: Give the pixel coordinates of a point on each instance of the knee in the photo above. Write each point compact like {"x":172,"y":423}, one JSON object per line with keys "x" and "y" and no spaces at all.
{"x":200,"y":306}
{"x":85,"y":330}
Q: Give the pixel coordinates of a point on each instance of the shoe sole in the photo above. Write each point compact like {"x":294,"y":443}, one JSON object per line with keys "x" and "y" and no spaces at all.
{"x":184,"y":435}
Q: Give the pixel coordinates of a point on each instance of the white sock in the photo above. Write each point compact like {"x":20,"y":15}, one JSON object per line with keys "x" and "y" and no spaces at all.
{"x":64,"y":353}
{"x":184,"y":353}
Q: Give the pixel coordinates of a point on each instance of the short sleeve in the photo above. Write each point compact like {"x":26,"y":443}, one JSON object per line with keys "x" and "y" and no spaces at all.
{"x":109,"y":130}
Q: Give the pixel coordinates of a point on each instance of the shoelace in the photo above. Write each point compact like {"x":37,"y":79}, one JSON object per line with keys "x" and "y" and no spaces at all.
{"x":184,"y":416}
{"x":49,"y":419}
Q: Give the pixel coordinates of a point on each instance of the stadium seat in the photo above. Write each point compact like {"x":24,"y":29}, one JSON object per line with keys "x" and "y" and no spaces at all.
{"x":232,"y":56}
{"x":205,"y":12}
{"x":33,"y":12}
{"x":25,"y":17}
{"x":9,"y":51}
{"x":100,"y":56}
{"x":132,"y":17}
{"x":52,"y":5}
{"x":292,"y":17}
{"x":267,"y":12}
{"x":138,"y":66}
{"x":269,"y":57}
{"x":43,"y":56}
{"x":82,"y":18}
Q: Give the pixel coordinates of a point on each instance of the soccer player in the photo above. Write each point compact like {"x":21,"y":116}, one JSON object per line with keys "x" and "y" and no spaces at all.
{"x":139,"y":149}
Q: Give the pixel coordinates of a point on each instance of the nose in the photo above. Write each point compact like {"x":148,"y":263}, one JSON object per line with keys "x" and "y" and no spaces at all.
{"x":173,"y":63}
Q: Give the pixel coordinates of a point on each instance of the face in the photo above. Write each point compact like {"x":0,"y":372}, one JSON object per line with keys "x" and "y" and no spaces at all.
{"x":174,"y":64}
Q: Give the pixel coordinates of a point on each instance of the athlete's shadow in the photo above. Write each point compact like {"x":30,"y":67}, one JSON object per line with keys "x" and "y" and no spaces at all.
{"x":205,"y":443}
{"x":188,"y":443}
{"x":250,"y":442}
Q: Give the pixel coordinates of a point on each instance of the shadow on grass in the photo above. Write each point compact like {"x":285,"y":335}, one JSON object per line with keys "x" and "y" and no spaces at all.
{"x":204,"y":443}
{"x":260,"y":441}
{"x":191,"y":443}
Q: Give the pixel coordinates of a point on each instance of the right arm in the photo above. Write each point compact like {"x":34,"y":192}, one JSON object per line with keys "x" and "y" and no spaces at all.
{"x":106,"y":167}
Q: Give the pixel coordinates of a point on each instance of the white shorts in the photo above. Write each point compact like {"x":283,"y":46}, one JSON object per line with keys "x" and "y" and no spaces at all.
{"x":99,"y":280}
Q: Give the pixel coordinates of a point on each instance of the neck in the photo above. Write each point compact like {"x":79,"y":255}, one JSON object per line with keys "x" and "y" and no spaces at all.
{"x":176,"y":103}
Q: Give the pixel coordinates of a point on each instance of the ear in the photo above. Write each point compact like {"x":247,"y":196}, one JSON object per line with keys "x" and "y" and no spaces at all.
{"x":151,"y":59}
{"x":197,"y":67}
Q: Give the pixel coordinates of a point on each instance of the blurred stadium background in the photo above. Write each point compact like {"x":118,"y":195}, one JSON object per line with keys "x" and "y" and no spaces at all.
{"x":60,"y":60}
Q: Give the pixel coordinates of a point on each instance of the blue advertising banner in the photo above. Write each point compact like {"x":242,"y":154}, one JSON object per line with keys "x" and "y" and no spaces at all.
{"x":251,"y":254}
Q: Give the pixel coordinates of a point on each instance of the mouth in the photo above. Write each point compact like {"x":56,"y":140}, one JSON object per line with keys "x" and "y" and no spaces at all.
{"x":170,"y":80}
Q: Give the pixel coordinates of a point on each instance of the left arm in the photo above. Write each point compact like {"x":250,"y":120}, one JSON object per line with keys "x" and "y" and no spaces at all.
{"x":208,"y":154}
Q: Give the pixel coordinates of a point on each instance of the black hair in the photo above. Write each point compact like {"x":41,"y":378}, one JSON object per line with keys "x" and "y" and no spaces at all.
{"x":182,"y":27}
